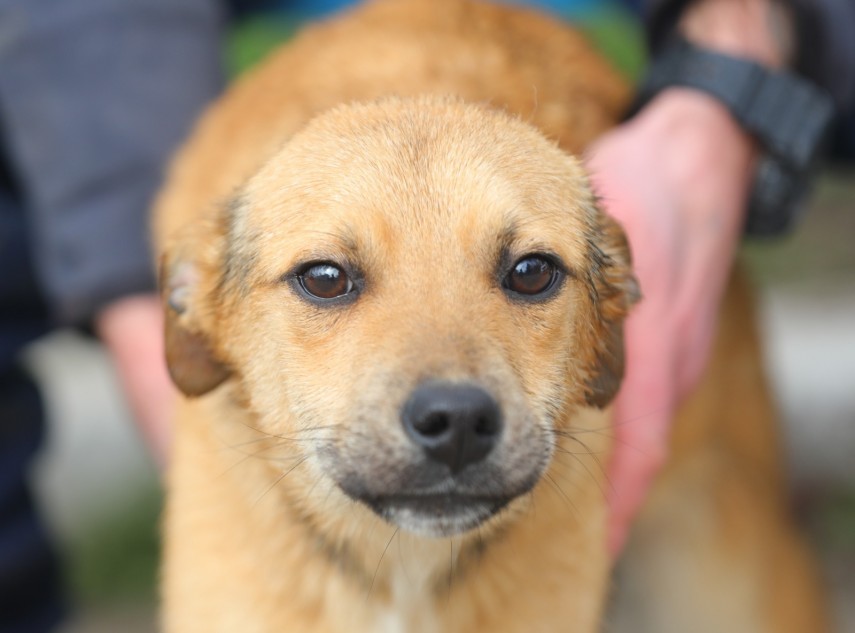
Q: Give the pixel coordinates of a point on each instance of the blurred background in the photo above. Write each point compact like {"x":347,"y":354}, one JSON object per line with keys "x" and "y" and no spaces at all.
{"x":101,"y":494}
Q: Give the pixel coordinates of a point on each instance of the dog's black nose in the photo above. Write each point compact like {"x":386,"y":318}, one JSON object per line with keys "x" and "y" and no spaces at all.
{"x":456,"y":425}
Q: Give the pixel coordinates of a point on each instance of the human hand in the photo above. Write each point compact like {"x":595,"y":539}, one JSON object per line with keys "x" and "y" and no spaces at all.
{"x":132,"y":330}
{"x":676,"y":177}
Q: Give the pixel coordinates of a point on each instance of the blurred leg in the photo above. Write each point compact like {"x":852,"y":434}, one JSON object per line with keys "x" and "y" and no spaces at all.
{"x":30,"y":591}
{"x":31,"y":599}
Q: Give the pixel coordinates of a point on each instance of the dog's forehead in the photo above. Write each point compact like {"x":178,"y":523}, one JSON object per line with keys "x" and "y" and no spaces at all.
{"x":438,"y":173}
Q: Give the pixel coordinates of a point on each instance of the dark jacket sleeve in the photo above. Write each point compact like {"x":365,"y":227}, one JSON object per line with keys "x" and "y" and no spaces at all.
{"x":94,"y":97}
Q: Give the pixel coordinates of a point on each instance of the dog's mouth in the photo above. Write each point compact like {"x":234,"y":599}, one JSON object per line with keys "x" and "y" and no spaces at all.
{"x":437,"y":515}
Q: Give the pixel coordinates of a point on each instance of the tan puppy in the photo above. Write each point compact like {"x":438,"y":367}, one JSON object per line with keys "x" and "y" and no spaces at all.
{"x":398,"y":325}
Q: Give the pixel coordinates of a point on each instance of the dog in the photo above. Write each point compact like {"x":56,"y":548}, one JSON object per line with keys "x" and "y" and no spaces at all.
{"x":395,"y":309}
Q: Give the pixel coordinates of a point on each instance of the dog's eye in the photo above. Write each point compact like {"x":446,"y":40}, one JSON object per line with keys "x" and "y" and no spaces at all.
{"x":325,"y":281}
{"x":532,"y":275}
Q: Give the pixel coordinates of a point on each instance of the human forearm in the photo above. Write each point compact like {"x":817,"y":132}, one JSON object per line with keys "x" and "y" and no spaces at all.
{"x":677,"y":176}
{"x":700,"y":148}
{"x":132,"y":330}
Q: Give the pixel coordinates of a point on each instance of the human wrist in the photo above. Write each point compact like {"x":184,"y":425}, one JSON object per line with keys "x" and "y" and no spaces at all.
{"x":758,"y":30}
{"x":787,"y":116}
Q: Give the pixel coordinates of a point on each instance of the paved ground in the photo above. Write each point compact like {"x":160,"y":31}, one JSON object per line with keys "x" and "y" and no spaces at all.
{"x":95,"y":470}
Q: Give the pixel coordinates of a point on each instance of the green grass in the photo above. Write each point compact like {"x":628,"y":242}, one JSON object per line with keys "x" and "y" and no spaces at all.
{"x":254,"y":38}
{"x":614,"y":31}
{"x":834,"y":521}
{"x":618,"y":35}
{"x":116,"y":561}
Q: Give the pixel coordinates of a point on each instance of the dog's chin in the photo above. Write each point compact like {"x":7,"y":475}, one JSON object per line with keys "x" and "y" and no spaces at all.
{"x":439,"y":515}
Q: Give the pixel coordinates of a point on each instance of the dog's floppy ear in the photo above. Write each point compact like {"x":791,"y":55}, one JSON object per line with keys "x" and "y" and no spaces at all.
{"x":613,"y":290}
{"x":187,"y":273}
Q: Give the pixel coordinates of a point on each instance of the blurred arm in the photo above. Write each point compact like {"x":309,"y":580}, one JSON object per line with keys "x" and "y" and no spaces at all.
{"x":677,"y":177}
{"x":94,"y":97}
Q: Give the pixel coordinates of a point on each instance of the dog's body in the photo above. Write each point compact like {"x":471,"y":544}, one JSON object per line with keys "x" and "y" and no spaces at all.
{"x":434,"y":225}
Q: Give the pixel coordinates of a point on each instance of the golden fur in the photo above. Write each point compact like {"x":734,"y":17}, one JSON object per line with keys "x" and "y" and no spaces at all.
{"x":408,"y":141}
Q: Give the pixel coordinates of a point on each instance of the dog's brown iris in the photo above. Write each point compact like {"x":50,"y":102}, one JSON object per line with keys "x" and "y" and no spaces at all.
{"x":531,"y":275}
{"x":325,"y":281}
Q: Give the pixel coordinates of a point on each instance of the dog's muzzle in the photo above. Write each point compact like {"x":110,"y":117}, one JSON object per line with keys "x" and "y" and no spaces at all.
{"x":455,"y":479}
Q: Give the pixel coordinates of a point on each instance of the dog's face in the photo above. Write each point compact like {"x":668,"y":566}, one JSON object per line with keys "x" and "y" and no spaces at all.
{"x":426,"y":289}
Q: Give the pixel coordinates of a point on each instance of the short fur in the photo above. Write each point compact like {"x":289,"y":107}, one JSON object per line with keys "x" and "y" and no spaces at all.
{"x":407,"y":141}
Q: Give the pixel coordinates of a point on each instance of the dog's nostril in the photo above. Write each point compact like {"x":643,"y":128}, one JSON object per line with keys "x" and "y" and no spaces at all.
{"x":486,"y":426}
{"x":457,"y":425}
{"x":433,"y":425}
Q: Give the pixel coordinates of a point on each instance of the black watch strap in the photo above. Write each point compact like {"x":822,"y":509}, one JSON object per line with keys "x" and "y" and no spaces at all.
{"x":788,"y":115}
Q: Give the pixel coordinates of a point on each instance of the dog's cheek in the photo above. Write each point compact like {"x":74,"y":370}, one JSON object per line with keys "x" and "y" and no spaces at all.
{"x":542,"y":350}
{"x":290,"y":372}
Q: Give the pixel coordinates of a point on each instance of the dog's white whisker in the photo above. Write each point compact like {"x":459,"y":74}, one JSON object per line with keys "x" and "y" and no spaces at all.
{"x":379,"y":562}
{"x":279,"y":479}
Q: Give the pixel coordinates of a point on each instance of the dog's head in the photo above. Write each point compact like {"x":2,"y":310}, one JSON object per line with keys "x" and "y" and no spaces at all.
{"x":427,"y":286}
